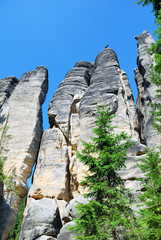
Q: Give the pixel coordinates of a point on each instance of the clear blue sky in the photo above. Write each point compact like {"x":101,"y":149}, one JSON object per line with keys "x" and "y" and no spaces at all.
{"x":59,"y":33}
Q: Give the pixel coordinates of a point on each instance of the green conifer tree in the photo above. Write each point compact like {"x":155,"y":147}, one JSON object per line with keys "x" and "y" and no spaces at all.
{"x":108,"y":213}
{"x":150,"y":212}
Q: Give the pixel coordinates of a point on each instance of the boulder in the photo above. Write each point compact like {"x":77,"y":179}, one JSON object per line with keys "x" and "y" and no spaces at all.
{"x":70,"y":211}
{"x":42,"y":218}
{"x":65,"y":234}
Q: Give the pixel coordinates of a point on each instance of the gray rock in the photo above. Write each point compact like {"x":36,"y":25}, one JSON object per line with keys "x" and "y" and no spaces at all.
{"x":70,"y":212}
{"x":7,"y":85}
{"x":72,"y":116}
{"x":65,"y":234}
{"x":42,"y":218}
{"x":108,"y":86}
{"x":45,"y":238}
{"x":146,"y":90}
{"x":137,"y":149}
{"x":84,"y":64}
{"x":76,"y":82}
{"x":22,"y":114}
{"x":51,"y":177}
{"x":132,"y":171}
{"x":10,"y":205}
{"x":1,"y":195}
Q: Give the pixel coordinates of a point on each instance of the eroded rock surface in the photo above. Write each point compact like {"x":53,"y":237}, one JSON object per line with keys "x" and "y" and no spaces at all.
{"x":72,"y":116}
{"x":108,"y":86}
{"x":65,"y":233}
{"x":146,"y":90}
{"x":7,"y":85}
{"x":22,"y":115}
{"x":51,"y":177}
{"x":42,"y":218}
{"x":69,"y":93}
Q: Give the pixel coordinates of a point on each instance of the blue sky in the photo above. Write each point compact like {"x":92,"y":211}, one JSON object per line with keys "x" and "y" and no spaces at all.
{"x":59,"y":33}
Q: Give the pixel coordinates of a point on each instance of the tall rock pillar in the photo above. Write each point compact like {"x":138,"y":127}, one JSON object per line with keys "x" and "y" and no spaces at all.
{"x":22,"y":114}
{"x":146,"y":90}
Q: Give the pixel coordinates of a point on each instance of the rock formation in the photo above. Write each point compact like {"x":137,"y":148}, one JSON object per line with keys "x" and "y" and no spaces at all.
{"x":56,"y":187}
{"x":21,"y":112}
{"x":72,"y":115}
{"x":146,"y":90}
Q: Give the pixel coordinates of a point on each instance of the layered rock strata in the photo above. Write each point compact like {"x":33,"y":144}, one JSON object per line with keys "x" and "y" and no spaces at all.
{"x":22,"y":115}
{"x":146,"y":90}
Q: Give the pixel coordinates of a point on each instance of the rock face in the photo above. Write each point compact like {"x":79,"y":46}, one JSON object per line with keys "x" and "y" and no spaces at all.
{"x":7,"y":86}
{"x":146,"y":90}
{"x":56,"y":187}
{"x":22,"y":114}
{"x":72,"y":115}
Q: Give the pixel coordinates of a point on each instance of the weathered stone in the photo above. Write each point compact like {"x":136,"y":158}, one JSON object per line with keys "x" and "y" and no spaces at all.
{"x":51,"y":175}
{"x":137,"y":149}
{"x":61,"y":205}
{"x":65,"y":234}
{"x":7,"y":85}
{"x":126,"y":117}
{"x":109,"y":86}
{"x":76,"y":82}
{"x":84,"y":64}
{"x":70,"y":212}
{"x":10,"y":205}
{"x":1,"y":195}
{"x":45,"y":238}
{"x":132,"y":171}
{"x":42,"y":218}
{"x":23,"y":117}
{"x":146,"y":90}
{"x":72,"y":116}
{"x":24,"y":122}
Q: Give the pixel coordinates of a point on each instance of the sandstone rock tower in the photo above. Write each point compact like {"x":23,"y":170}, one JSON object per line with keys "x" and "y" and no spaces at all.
{"x":21,"y":111}
{"x":72,"y":115}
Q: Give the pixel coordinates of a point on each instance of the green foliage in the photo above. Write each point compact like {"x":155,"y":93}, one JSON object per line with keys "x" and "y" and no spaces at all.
{"x":151,"y":198}
{"x":15,"y":232}
{"x":108,"y":211}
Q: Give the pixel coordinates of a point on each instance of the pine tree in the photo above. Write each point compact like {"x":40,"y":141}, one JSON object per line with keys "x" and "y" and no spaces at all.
{"x":150,"y":220}
{"x":108,"y":212}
